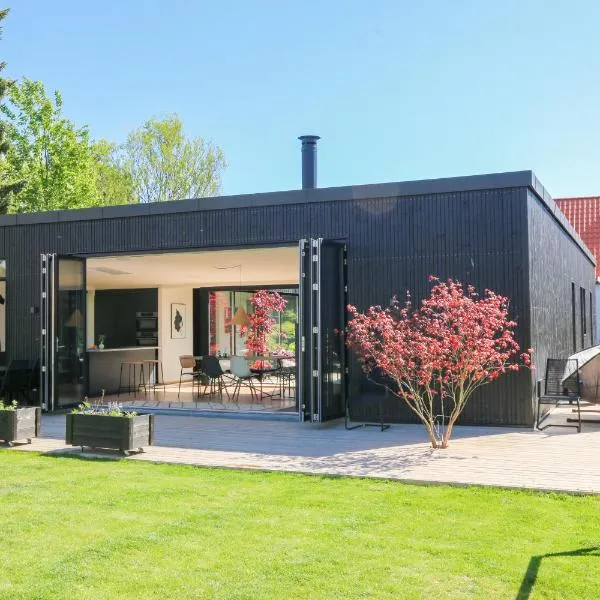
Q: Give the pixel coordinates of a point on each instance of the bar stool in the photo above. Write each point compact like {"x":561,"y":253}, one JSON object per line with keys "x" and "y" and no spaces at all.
{"x":131,"y":366}
{"x":155,"y":366}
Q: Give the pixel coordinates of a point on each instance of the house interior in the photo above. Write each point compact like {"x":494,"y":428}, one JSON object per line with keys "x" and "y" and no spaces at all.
{"x":144,"y":312}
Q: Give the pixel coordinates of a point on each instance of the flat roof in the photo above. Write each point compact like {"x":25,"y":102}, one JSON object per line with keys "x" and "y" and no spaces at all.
{"x":445,"y":185}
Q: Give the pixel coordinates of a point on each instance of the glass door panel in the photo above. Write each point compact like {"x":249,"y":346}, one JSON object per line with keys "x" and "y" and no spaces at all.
{"x":331,"y":393}
{"x":241,"y":300}
{"x":70,"y":311}
{"x":220,"y":327}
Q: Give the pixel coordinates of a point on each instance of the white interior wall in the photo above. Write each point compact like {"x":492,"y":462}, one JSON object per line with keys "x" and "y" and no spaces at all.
{"x":171,"y":349}
{"x":90,"y":313}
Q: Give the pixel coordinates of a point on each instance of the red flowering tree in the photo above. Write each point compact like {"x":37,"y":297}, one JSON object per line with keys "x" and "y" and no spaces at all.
{"x":435,"y":356}
{"x":264,"y":302}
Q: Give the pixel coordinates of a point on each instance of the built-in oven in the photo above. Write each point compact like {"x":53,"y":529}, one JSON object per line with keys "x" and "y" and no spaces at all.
{"x":146,"y":328}
{"x":146,"y":321}
{"x":148,"y":338}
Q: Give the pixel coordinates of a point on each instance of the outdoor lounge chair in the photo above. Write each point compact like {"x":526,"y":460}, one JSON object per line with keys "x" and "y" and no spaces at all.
{"x":562,"y":386}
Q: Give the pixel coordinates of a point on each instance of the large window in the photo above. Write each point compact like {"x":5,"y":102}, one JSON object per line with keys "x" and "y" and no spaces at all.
{"x":224,"y":336}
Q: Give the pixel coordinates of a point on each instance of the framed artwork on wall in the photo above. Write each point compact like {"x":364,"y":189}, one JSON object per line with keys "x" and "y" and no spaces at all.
{"x":178,"y":321}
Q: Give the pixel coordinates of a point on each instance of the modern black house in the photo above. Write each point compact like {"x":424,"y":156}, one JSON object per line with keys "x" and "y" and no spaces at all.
{"x":119,"y":272}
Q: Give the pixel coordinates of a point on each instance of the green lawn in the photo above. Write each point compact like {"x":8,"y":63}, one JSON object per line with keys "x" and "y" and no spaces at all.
{"x":75,"y":528}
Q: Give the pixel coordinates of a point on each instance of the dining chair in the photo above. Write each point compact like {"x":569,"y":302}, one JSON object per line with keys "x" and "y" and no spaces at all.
{"x":188,"y":369}
{"x":240,"y":370}
{"x":211,"y":368}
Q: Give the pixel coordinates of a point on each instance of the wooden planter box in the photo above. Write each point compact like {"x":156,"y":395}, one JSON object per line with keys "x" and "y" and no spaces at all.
{"x":21,"y":424}
{"x":126,"y":434}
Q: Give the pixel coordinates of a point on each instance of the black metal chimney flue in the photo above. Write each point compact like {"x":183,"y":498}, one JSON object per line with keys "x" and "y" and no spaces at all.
{"x":309,"y":161}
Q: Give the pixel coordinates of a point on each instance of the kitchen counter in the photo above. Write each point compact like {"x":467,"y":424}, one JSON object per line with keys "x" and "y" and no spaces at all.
{"x":130,"y":349}
{"x":105,"y":366}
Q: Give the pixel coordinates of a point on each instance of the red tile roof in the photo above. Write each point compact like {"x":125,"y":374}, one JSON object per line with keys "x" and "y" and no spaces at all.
{"x":584,"y":214}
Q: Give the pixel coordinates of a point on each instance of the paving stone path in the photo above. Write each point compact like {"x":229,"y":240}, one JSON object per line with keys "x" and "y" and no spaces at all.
{"x":557,"y":459}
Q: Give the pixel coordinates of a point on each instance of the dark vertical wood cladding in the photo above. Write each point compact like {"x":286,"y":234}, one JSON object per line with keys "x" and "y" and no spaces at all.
{"x":560,"y":276}
{"x":394,"y":244}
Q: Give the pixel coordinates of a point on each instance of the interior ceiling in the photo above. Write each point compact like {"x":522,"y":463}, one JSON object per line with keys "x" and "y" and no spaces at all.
{"x":214,"y":268}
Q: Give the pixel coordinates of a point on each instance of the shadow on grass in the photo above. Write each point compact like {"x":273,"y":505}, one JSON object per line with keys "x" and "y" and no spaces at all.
{"x":98,"y":454}
{"x":535,"y":563}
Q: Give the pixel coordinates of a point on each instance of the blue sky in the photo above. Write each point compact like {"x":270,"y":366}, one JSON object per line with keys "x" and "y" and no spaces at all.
{"x":397,"y":90}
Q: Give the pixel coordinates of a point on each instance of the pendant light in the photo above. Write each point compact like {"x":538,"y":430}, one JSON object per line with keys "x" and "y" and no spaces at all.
{"x":240,"y":318}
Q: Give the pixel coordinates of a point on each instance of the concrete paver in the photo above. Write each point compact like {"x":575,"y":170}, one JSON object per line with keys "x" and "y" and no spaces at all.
{"x":556,"y":459}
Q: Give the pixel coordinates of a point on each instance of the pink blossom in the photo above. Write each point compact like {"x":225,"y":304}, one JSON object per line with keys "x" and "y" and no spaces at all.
{"x":453,"y":343}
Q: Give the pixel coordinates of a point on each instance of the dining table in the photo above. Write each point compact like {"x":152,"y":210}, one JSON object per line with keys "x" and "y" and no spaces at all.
{"x":268,"y":364}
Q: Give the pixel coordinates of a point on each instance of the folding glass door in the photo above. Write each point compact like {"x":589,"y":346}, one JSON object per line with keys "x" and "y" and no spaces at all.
{"x":322,"y":317}
{"x":63,"y":356}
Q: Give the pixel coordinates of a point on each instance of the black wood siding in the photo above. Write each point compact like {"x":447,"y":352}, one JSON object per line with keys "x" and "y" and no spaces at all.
{"x":394,"y":244}
{"x":556,"y":267}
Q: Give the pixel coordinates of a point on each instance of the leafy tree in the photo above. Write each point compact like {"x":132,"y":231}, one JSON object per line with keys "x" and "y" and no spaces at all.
{"x":7,"y":184}
{"x":113,"y":181}
{"x":166,"y":165}
{"x":52,"y":156}
{"x":434,"y":357}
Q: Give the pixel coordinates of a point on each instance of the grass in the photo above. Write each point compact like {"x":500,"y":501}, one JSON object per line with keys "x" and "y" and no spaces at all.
{"x":83,"y":529}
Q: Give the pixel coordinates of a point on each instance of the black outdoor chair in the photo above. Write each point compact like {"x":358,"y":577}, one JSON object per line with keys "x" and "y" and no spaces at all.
{"x":369,"y":403}
{"x":211,"y":368}
{"x":19,"y":381}
{"x":562,"y":387}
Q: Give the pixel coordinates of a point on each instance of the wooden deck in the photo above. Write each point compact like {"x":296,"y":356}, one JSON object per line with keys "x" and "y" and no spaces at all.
{"x":171,"y":397}
{"x":557,"y":459}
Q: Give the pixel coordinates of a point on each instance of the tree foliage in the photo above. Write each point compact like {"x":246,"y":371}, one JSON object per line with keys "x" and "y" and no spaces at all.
{"x":264,"y":303}
{"x":112,"y":180}
{"x":166,"y":165}
{"x":47,"y":152}
{"x":435,"y":356}
{"x":8,"y":185}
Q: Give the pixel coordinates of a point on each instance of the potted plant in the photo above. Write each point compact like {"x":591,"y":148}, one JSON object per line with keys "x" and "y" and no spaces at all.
{"x":109,"y":427}
{"x":19,"y":424}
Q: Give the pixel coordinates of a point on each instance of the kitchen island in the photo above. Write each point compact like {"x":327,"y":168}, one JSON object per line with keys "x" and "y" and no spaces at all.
{"x":105,"y":366}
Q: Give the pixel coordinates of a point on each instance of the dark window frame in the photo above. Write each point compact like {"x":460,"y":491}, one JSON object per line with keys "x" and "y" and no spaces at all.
{"x":583,"y":315}
{"x":573,"y":317}
{"x":591,"y":321}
